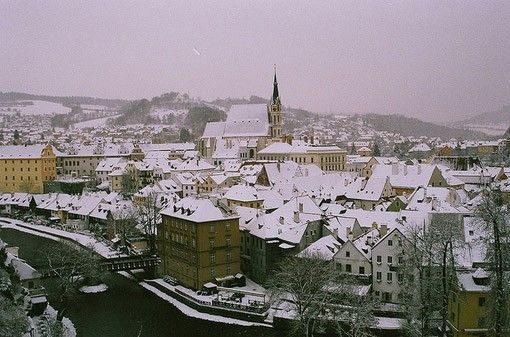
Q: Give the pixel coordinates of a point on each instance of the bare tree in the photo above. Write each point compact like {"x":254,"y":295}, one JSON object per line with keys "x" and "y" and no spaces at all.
{"x":148,"y":210}
{"x":126,"y":221}
{"x":428,"y":269}
{"x":72,"y":266}
{"x":318,"y":295}
{"x":494,"y":216}
{"x":445,"y":234}
{"x":128,"y":183}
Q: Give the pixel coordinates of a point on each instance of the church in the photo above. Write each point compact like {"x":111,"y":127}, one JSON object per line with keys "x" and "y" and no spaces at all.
{"x":248,"y":129}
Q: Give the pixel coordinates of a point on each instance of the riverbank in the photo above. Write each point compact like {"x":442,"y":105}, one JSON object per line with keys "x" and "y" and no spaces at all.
{"x":126,"y":309}
{"x":178,"y":302}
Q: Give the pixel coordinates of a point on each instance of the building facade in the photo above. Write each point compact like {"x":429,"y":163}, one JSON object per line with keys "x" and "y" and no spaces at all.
{"x":198,"y":242}
{"x":25,"y":168}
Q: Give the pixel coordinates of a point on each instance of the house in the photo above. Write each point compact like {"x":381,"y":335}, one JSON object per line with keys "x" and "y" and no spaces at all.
{"x":266,"y":238}
{"x":25,"y":168}
{"x":243,"y":195}
{"x":327,"y":158}
{"x":198,"y":242}
{"x":468,"y":304}
{"x":387,"y":255}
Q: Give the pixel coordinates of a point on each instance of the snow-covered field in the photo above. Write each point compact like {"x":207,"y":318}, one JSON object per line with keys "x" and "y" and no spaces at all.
{"x":161,"y":112}
{"x":490,"y":129}
{"x":38,"y":108}
{"x":93,"y":123}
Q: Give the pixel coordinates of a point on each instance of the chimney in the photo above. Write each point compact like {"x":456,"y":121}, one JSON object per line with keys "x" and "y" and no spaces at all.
{"x":394,"y":169}
{"x":348,"y":232}
{"x":363,"y":183}
{"x":300,"y":206}
{"x":419,"y":168}
{"x":296,"y":216}
{"x":282,"y":219}
{"x":405,"y":169}
{"x":335,"y":233}
{"x":374,"y":225}
{"x":383,"y":230}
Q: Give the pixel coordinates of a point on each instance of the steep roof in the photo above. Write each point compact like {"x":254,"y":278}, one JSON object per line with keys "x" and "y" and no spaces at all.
{"x":196,"y":210}
{"x":247,"y":120}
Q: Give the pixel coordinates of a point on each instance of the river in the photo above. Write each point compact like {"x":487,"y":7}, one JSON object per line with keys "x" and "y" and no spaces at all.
{"x":126,"y":309}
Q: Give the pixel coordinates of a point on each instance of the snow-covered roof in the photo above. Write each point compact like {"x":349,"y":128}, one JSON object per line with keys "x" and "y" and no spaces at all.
{"x":21,"y":151}
{"x":197,"y":210}
{"x":325,"y":248}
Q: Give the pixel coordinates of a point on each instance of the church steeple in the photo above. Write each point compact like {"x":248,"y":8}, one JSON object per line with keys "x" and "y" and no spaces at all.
{"x":275,"y":99}
{"x":274,"y":111}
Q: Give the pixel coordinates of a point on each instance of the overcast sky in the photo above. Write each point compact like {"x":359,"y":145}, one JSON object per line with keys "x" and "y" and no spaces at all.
{"x":435,"y":60}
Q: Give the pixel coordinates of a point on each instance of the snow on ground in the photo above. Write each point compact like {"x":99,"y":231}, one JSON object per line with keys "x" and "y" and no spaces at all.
{"x":51,"y":314}
{"x":83,"y":239}
{"x":127,"y":275}
{"x":197,"y":314}
{"x":38,"y":108}
{"x":163,"y":112}
{"x":26,"y":230}
{"x":93,"y":123}
{"x":94,"y":289}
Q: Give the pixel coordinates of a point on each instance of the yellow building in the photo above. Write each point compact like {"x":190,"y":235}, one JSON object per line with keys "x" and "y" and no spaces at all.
{"x":328,"y":158}
{"x":468,"y":304}
{"x":25,"y":168}
{"x":198,"y":242}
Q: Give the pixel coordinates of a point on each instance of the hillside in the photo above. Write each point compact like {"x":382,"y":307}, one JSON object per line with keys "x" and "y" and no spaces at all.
{"x":492,"y":123}
{"x":68,"y":101}
{"x":407,"y":126}
{"x":492,"y":117}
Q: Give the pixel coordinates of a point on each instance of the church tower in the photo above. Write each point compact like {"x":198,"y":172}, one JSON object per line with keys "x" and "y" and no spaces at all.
{"x":274,"y":109}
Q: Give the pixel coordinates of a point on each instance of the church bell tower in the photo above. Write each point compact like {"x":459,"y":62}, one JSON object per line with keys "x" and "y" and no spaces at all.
{"x":275,"y":112}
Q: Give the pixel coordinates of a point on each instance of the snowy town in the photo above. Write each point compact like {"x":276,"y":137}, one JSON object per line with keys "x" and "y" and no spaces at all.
{"x":211,"y":226}
{"x":314,"y":169}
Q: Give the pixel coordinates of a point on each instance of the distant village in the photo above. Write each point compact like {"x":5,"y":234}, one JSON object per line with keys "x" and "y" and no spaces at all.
{"x":248,"y":193}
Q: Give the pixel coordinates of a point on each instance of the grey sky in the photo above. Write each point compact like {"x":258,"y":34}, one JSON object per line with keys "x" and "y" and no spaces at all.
{"x":435,"y":60}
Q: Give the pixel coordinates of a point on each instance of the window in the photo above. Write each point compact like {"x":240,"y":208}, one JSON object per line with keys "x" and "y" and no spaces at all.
{"x":228,"y":242}
{"x":400,"y":260}
{"x":362,"y":270}
{"x":348,"y":268}
{"x":347,"y":254}
{"x":213,"y":272}
{"x":389,"y":277}
{"x":227,"y":227}
{"x":229,"y":256}
{"x":212,"y":257}
{"x":400,"y":278}
{"x":339,"y":266}
{"x":212,"y":229}
{"x":390,"y":259}
{"x":379,"y":259}
{"x":229,"y":269}
{"x":390,"y":242}
{"x":211,"y":243}
{"x":378,"y":276}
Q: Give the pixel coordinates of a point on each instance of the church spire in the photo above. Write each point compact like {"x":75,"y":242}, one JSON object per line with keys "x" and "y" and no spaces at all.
{"x":276,"y":96}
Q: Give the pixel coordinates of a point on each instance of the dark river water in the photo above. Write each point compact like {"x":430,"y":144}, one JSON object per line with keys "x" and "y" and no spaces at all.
{"x":126,"y":308}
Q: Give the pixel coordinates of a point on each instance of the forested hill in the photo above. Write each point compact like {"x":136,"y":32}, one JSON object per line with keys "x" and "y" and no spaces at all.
{"x":64,"y":100}
{"x":408,"y":126}
{"x":494,"y":117}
